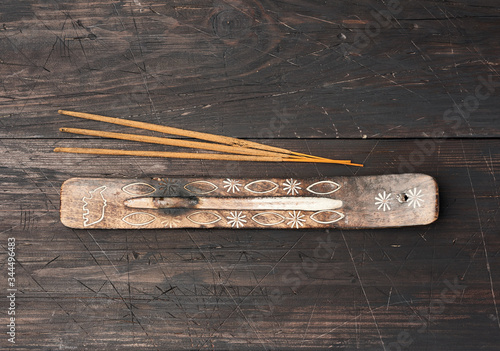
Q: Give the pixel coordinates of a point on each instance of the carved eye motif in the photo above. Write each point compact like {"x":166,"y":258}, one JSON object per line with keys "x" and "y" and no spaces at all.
{"x":139,"y":189}
{"x":139,"y":218}
{"x":261,"y":186}
{"x":200,"y":187}
{"x":268,"y":218}
{"x":323,"y":187}
{"x":204,"y":217}
{"x":326,"y":216}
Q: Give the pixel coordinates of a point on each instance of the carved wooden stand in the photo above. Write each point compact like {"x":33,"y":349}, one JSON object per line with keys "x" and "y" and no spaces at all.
{"x":341,"y":202}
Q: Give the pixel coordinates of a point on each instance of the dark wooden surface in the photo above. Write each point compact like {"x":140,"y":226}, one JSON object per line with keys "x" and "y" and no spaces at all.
{"x":294,"y":74}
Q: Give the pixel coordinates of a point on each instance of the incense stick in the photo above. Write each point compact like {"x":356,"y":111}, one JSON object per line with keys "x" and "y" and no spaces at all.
{"x":187,"y":133}
{"x":249,"y":151}
{"x":181,"y":143}
{"x":186,"y":155}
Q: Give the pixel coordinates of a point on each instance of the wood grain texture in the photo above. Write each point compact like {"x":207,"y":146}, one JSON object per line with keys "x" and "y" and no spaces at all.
{"x":294,"y":68}
{"x":254,"y":289}
{"x":292,"y":74}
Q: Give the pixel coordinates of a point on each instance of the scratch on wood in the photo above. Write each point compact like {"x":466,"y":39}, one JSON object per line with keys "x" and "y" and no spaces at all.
{"x":363,"y":290}
{"x":485,"y":250}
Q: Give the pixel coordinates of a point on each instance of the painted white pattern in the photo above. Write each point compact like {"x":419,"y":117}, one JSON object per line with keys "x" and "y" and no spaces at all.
{"x":201,"y":182}
{"x":194,"y":214}
{"x":232,"y":185}
{"x":335,"y":186}
{"x":101,"y":202}
{"x":291,"y":186}
{"x":127,"y":189}
{"x":383,"y":201}
{"x":171,"y":222}
{"x":415,"y":197}
{"x":337,"y":218}
{"x":280,"y":217}
{"x":236,"y":219}
{"x":148,"y":218}
{"x":296,"y":219}
{"x":256,"y":182}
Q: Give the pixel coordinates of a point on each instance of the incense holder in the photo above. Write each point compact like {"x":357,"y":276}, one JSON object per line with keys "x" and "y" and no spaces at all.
{"x":342,"y":202}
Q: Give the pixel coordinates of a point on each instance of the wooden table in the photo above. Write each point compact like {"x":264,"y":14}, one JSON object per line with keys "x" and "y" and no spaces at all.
{"x":400,"y":87}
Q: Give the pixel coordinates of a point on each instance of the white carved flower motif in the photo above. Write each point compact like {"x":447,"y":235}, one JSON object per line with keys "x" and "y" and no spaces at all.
{"x":415,"y":197}
{"x":296,"y":219}
{"x":291,"y":186}
{"x":232,"y":185}
{"x":236,"y":219}
{"x":383,"y":200}
{"x":171,"y":222}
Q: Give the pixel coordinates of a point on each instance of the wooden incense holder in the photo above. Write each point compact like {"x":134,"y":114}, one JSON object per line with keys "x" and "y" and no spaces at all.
{"x":342,"y":202}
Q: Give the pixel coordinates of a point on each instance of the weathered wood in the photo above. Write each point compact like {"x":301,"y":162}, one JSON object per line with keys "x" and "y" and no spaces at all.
{"x":292,"y":68}
{"x":273,"y":72}
{"x":397,"y":200}
{"x":255,"y":289}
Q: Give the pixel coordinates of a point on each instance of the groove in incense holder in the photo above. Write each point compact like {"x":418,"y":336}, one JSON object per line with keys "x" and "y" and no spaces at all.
{"x":241,"y":203}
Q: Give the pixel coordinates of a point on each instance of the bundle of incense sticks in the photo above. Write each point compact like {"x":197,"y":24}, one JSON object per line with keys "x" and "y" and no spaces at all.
{"x":230,"y":149}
